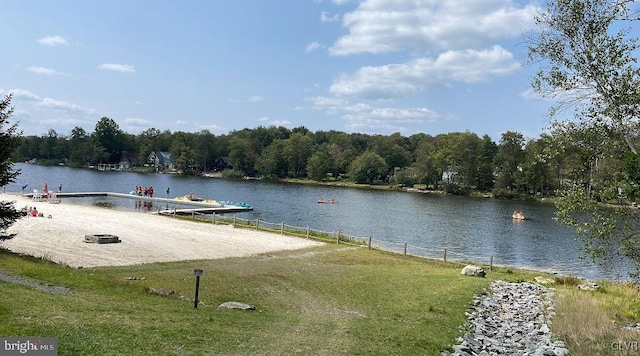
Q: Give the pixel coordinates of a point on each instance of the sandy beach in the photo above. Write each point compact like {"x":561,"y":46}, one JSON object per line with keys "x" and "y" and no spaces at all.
{"x":146,"y":237}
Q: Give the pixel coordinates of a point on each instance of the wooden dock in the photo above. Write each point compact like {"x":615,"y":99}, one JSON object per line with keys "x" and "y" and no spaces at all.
{"x":204,"y":207}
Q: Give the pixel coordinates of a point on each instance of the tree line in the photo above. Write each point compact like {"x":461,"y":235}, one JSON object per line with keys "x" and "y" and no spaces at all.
{"x":456,"y":162}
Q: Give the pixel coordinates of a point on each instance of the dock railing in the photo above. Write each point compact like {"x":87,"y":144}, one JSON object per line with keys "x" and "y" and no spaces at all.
{"x":338,"y":237}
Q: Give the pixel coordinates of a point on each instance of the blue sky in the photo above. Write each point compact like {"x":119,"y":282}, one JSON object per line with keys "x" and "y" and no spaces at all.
{"x":370,"y":66}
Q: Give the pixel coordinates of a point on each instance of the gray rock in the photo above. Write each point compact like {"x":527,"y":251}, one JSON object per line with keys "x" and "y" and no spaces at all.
{"x":591,"y":286}
{"x":474,"y":271}
{"x":236,"y":305}
{"x":511,"y":319}
{"x":163,"y":291}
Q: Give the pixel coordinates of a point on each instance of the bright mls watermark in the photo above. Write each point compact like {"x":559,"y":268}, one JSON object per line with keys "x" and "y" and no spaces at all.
{"x":40,"y":346}
{"x":626,"y":346}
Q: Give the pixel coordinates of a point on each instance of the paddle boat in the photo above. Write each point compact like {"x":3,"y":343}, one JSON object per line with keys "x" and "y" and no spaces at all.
{"x":192,"y":197}
{"x":518,"y":215}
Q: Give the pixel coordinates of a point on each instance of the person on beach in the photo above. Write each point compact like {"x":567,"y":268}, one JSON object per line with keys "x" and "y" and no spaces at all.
{"x":168,"y":190}
{"x":60,"y":188}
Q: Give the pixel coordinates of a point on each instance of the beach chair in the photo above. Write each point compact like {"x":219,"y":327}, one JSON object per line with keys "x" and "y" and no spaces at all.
{"x":37,"y":196}
{"x":53,"y":198}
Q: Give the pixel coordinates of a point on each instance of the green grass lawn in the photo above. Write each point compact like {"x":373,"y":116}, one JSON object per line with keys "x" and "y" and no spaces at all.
{"x":327,"y":300}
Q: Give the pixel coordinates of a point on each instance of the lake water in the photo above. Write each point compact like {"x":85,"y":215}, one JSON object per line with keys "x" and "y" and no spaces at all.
{"x":470,"y":229}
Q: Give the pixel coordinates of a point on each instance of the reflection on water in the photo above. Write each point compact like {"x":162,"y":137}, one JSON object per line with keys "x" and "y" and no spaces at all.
{"x":469,"y":228}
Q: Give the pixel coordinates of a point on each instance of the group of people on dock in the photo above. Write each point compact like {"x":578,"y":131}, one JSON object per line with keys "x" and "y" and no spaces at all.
{"x":147,"y":192}
{"x":45,"y":189}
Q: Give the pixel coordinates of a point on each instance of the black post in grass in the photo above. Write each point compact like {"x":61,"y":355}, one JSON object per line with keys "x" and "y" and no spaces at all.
{"x":197,"y":272}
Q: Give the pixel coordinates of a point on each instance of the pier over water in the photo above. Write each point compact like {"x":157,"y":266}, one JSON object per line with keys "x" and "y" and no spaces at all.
{"x":203,"y":206}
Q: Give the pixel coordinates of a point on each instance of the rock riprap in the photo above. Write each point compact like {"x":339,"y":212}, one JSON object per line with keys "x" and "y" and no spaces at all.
{"x":510,"y":319}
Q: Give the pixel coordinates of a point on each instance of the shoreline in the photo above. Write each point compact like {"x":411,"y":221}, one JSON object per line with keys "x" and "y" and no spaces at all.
{"x":145,"y":237}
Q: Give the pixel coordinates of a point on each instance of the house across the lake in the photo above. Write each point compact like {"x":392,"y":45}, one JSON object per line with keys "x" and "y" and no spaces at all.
{"x":221,"y":164}
{"x":162,"y":160}
{"x":128,"y":160}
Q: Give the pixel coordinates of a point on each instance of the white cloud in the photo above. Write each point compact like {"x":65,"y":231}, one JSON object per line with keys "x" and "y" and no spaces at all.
{"x":326,"y":103}
{"x":134,"y":121}
{"x":21,"y":94}
{"x":341,"y":2}
{"x":313,"y":46}
{"x":383,"y":26}
{"x":124,"y":68}
{"x":66,"y":122}
{"x":283,"y":123}
{"x":401,"y":80}
{"x":53,"y":41}
{"x":69,"y":108}
{"x":363,"y":117}
{"x":269,"y":122}
{"x":214,"y":128}
{"x":251,"y":99}
{"x":41,"y":114}
{"x":327,"y":17}
{"x":42,"y":70}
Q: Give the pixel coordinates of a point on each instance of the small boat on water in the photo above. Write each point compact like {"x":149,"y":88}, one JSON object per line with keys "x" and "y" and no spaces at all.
{"x":191,"y":197}
{"x":322,"y":201}
{"x":518,"y":215}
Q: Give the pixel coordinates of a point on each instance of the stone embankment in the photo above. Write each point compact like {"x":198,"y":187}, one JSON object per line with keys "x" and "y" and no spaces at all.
{"x":510,"y":319}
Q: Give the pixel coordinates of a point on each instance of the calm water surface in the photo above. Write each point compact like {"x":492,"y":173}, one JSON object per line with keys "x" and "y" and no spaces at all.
{"x":469,"y":228}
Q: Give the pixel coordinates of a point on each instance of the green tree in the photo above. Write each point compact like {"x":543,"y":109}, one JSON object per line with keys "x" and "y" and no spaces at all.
{"x":48,"y":144}
{"x":108,"y":140}
{"x":509,"y":159}
{"x":81,"y":147}
{"x":9,"y":141}
{"x":319,"y":163}
{"x":588,"y":61}
{"x":588,"y":64}
{"x":536,"y":174}
{"x":298,"y":150}
{"x":182,"y":147}
{"x":367,"y":168}
{"x":29,"y":148}
{"x":487,"y":150}
{"x":393,"y":149}
{"x":424,"y":166}
{"x":242,"y":153}
{"x":272,"y":162}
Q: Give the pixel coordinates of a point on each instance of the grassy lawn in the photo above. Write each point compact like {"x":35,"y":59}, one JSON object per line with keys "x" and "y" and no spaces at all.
{"x":590,"y":322}
{"x":327,"y":300}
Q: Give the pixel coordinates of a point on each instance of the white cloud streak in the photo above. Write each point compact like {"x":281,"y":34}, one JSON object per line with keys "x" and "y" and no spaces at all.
{"x":124,"y":68}
{"x":53,"y":41}
{"x":327,"y":17}
{"x":44,"y":71}
{"x":363,"y":117}
{"x":313,"y":46}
